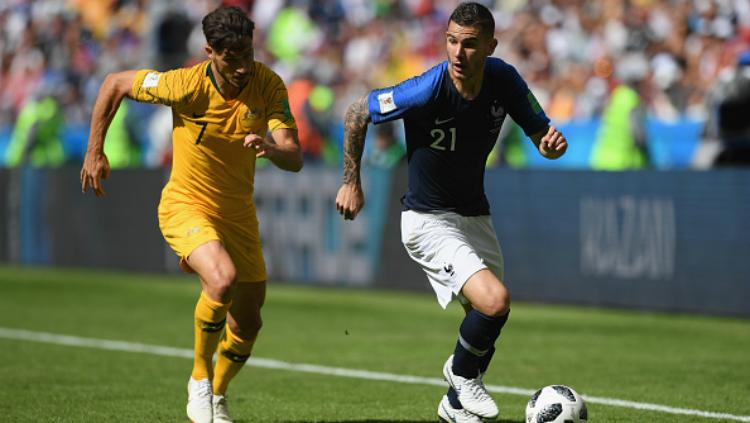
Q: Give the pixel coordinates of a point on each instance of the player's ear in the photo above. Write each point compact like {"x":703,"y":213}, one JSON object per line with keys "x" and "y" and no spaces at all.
{"x":492,"y":46}
{"x":209,"y":51}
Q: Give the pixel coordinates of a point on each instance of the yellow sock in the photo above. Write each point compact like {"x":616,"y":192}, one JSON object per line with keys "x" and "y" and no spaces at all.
{"x":210,"y":318}
{"x":232,"y":355}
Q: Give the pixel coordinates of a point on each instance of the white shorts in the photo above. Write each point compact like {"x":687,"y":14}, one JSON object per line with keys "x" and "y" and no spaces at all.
{"x":450,"y":248}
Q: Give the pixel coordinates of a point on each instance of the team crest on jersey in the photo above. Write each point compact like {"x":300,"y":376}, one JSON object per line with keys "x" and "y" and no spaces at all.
{"x":250,"y":114}
{"x":497,"y":115}
{"x":496,"y":110}
{"x":250,"y":118}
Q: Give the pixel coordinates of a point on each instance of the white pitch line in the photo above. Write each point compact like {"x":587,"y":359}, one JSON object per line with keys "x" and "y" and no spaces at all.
{"x":104,"y":344}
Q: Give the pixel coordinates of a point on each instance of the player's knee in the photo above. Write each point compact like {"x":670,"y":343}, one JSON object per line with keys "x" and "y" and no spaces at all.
{"x":221,"y":280}
{"x":498,"y":304}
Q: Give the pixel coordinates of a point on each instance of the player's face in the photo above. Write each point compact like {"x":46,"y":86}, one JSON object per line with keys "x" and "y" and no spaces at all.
{"x":468,"y":49}
{"x":235,"y":64}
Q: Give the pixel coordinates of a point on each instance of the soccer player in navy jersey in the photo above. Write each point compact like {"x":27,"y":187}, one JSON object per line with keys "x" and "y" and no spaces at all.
{"x":452,"y":115}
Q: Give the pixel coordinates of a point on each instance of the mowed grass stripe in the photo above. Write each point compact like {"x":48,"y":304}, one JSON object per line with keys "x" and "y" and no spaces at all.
{"x":112,"y":345}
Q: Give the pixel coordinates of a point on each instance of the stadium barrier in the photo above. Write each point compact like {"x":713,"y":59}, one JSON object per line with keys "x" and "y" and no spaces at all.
{"x":652,"y":240}
{"x":48,"y":221}
{"x":656,"y":240}
{"x":670,"y":241}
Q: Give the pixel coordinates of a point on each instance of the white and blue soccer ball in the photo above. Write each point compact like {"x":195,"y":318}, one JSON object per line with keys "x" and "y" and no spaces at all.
{"x":556,"y":404}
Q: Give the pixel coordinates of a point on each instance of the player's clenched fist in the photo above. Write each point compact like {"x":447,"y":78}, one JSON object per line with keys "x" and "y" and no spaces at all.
{"x":350,"y":200}
{"x":553,"y":144}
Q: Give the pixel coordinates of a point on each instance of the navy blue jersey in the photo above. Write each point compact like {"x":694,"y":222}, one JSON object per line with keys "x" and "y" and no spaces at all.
{"x":448,"y":138}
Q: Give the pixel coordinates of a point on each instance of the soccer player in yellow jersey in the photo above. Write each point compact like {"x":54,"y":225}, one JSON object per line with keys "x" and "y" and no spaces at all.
{"x":222,"y":109}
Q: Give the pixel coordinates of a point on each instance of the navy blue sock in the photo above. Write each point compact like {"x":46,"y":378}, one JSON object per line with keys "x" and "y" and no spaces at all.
{"x":484,"y":362}
{"x":477,"y":337}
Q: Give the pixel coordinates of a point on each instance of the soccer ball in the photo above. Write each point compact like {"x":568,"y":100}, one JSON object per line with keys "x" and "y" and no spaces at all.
{"x":556,"y":404}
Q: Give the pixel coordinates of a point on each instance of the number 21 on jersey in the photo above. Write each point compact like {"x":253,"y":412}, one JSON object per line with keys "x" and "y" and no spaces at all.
{"x":440,"y":142}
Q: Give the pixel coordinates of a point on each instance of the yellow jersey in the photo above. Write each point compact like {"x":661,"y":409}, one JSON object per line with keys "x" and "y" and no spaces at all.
{"x":211,"y":170}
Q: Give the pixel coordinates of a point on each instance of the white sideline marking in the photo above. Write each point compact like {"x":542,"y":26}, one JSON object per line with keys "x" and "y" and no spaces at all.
{"x":104,"y":344}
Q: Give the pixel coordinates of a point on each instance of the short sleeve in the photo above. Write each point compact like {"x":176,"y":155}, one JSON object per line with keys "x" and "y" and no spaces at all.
{"x":169,"y":88}
{"x":279,"y":115}
{"x":391,"y":103}
{"x":524,"y":107}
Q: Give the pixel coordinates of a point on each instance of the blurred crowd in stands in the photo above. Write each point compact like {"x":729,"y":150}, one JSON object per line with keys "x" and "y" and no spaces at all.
{"x":674,"y":55}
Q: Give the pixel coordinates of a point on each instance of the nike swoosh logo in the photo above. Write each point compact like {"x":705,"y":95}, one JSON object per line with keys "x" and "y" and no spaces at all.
{"x":197,"y":116}
{"x":439,"y":121}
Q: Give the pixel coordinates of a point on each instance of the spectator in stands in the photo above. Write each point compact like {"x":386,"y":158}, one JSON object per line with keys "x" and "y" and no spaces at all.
{"x":386,"y":151}
{"x":36,"y":136}
{"x":726,"y":126}
{"x":119,"y":147}
{"x":733,"y":115}
{"x":563,"y":47}
{"x":510,"y":148}
{"x":621,"y":139}
{"x":310,"y":137}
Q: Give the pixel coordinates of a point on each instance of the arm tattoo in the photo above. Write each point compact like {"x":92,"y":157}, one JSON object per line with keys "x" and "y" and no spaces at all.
{"x":355,"y":130}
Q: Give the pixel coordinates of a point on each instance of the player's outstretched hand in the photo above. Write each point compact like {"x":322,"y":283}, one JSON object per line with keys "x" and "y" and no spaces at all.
{"x":95,"y":168}
{"x":262,"y":147}
{"x":553,"y":144}
{"x":350,"y":200}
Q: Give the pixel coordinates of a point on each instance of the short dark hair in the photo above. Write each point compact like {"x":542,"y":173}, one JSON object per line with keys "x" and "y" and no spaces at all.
{"x":474,"y":14}
{"x":225,"y":27}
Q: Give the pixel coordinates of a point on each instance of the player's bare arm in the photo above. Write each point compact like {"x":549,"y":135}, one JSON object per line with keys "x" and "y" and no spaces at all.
{"x":282,"y":149}
{"x":350,"y":198}
{"x":550,"y":143}
{"x":115,"y":87}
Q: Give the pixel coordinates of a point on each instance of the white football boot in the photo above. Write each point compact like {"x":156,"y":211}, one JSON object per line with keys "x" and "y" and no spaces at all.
{"x":221,"y":411}
{"x":199,"y":406}
{"x":448,"y":414}
{"x":471,"y":393}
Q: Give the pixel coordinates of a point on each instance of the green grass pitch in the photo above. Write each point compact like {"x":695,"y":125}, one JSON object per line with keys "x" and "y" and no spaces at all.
{"x":681,"y":361}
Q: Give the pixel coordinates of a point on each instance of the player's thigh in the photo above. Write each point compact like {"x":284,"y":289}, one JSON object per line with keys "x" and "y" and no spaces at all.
{"x":185,"y":229}
{"x":242,"y":241}
{"x":442,"y":249}
{"x":213,"y":264}
{"x":483,"y":238}
{"x":485,"y":289}
{"x":244,"y":315}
